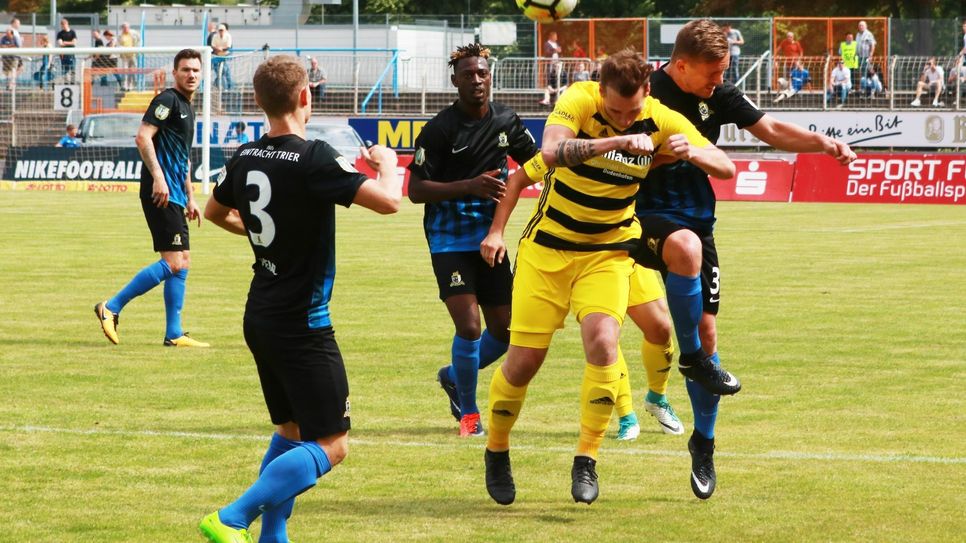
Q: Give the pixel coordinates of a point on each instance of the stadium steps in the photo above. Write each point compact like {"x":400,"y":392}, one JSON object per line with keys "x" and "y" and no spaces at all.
{"x":135,"y":101}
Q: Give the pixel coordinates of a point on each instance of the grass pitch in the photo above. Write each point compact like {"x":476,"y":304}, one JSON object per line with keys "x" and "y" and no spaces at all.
{"x":845,"y":323}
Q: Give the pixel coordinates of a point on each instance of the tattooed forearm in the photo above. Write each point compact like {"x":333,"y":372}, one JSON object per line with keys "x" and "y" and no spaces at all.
{"x":573,"y":152}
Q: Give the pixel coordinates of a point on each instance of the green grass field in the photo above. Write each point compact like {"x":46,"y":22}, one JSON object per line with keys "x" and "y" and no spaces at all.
{"x":846,"y":324}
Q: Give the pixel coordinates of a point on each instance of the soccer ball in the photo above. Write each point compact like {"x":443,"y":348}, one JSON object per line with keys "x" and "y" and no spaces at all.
{"x":546,"y":11}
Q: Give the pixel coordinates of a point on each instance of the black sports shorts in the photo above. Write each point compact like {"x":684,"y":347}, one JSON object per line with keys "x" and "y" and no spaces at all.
{"x":467,"y":273}
{"x":303,"y":378}
{"x":656,"y":231}
{"x":168,"y":225}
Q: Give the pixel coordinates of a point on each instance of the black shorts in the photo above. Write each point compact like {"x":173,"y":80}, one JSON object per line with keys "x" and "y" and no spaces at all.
{"x":168,"y":225}
{"x":656,"y":231}
{"x":467,"y":273}
{"x":303,"y":379}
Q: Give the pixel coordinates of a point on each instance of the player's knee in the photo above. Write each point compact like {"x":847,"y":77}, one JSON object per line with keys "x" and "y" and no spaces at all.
{"x":336,"y":450}
{"x":468,"y":330}
{"x":658,"y":331}
{"x":682,"y":253}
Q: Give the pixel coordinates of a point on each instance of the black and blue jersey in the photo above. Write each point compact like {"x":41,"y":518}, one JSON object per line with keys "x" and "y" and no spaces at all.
{"x":681,"y":192}
{"x":285,"y":190}
{"x":171,"y":112}
{"x":453,"y":147}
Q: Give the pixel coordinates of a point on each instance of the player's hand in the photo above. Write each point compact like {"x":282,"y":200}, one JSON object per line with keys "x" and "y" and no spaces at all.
{"x":493,"y":249}
{"x":379,"y":155}
{"x":486,"y":185}
{"x":159,"y":191}
{"x":840,"y":151}
{"x":679,"y":145}
{"x":193,"y":212}
{"x":639,"y":144}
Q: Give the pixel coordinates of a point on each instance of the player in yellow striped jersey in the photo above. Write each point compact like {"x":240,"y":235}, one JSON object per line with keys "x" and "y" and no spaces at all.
{"x":573,"y":257}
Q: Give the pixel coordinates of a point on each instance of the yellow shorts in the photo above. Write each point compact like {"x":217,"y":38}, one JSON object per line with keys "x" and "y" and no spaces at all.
{"x":549,"y":283}
{"x":645,"y":286}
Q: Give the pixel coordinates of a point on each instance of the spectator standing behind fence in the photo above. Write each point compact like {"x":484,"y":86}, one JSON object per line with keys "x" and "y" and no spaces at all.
{"x":69,"y":139}
{"x":790,"y":50}
{"x":129,"y":61}
{"x":849,"y":51}
{"x":67,"y":38}
{"x":10,"y":62}
{"x":797,"y":80}
{"x":212,"y":32}
{"x":840,"y":83}
{"x":735,"y":41}
{"x":317,"y":78}
{"x":581,"y":73}
{"x":576,"y":51}
{"x":866,"y":45}
{"x":221,"y":47}
{"x":43,"y":74}
{"x":958,"y":69}
{"x":931,"y":79}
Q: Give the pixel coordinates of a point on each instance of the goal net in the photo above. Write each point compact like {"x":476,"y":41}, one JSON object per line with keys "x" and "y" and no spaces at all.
{"x":68,"y":116}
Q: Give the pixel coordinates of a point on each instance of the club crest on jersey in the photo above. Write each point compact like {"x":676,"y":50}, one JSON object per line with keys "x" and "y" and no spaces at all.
{"x":652,"y":244}
{"x":420,"y":156}
{"x":176,"y":240}
{"x":345,"y":165}
{"x":162,"y":112}
{"x":456,"y":280}
{"x":704,"y":110}
{"x":504,"y":141}
{"x":348,"y":409}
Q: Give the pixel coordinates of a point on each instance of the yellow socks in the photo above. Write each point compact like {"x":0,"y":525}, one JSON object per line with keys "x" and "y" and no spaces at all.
{"x":625,"y":400}
{"x":598,"y":395}
{"x":506,"y":401}
{"x":657,"y":362}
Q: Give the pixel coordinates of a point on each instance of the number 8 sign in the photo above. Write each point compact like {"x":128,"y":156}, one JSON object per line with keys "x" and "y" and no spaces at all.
{"x":66,"y":97}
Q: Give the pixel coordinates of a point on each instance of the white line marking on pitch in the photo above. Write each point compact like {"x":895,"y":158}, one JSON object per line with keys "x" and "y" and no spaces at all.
{"x":771,"y":455}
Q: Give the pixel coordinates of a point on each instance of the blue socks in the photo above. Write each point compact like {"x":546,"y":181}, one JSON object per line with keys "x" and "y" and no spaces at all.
{"x":145,"y":280}
{"x":466,"y":366}
{"x":491,"y":349}
{"x":285,"y":477}
{"x":704,"y":405}
{"x":274,"y":520}
{"x":174,"y":288}
{"x":684,"y":302}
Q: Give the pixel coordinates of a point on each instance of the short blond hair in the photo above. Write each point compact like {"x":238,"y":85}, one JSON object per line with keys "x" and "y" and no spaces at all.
{"x":278,"y":82}
{"x":703,"y":40}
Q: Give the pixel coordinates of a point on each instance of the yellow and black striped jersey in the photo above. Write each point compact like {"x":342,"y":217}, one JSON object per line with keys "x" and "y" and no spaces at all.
{"x":591,"y":206}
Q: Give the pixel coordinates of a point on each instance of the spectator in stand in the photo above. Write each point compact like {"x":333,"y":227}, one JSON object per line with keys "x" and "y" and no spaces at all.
{"x":240,"y":134}
{"x":129,"y":61}
{"x":581,"y":73}
{"x":212,"y":32}
{"x":69,"y":140}
{"x":10,"y":62}
{"x":870,"y":83}
{"x":317,"y":78}
{"x":110,"y":41}
{"x":931,"y":79}
{"x":552,"y":49}
{"x":601,"y":56}
{"x":958,"y":68}
{"x":799,"y":78}
{"x":67,"y":38}
{"x":556,"y":82}
{"x":99,"y":62}
{"x":15,"y":25}
{"x":576,"y":51}
{"x":44,"y":74}
{"x":866,"y":46}
{"x":221,"y":48}
{"x":790,"y":50}
{"x":848,"y":50}
{"x":735,"y":41}
{"x":840,"y":83}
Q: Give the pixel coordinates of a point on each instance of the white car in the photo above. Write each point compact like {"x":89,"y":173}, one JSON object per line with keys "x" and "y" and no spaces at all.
{"x":342,"y":137}
{"x":109,"y":129}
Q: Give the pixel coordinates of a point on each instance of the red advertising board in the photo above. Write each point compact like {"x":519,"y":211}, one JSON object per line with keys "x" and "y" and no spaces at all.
{"x":882,"y":178}
{"x":757,"y":180}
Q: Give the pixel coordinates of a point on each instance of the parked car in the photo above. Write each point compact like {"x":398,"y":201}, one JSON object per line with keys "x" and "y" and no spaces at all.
{"x":342,"y":137}
{"x":109,"y":129}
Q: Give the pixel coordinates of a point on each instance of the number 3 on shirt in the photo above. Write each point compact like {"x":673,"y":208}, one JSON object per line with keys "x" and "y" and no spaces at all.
{"x":257,"y":209}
